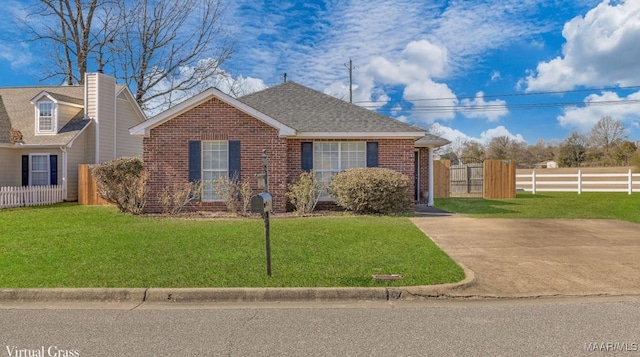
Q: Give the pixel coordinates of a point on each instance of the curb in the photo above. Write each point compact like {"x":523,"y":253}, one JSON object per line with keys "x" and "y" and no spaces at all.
{"x":204,"y":295}
{"x":72,"y":295}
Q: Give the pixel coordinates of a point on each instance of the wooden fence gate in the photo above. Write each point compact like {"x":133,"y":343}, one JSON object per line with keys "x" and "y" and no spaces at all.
{"x":490,"y":179}
{"x":467,"y":178}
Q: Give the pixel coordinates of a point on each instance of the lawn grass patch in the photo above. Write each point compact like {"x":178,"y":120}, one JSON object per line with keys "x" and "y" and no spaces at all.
{"x":588,"y":205}
{"x":68,"y":245}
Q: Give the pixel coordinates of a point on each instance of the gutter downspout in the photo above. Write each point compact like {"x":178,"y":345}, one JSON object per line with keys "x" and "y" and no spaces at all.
{"x":430,"y":199}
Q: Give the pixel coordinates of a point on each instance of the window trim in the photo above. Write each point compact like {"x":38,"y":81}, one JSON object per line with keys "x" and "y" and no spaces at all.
{"x":48,"y":171}
{"x":202,"y":168}
{"x":324,"y":195}
{"x":54,"y":118}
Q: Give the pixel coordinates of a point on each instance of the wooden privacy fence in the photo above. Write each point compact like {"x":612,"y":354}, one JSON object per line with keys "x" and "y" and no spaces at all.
{"x":495,"y":179}
{"x":441,"y":178}
{"x":87,"y":187}
{"x":580,"y":182}
{"x":21,"y":196}
{"x":499,"y":179}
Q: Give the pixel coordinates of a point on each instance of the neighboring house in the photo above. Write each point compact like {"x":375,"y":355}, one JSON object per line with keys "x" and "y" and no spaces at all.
{"x":546,"y":165}
{"x":46,"y":131}
{"x":212,"y":135}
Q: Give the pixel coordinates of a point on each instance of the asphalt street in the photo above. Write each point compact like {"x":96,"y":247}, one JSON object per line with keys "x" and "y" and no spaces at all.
{"x":451,"y":327}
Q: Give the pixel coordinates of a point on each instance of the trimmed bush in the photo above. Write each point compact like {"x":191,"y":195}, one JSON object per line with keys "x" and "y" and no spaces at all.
{"x":123,"y":182}
{"x":371,"y":190}
{"x":304,"y":193}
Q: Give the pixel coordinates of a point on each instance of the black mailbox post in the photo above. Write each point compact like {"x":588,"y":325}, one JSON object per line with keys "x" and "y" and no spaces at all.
{"x":262,"y":203}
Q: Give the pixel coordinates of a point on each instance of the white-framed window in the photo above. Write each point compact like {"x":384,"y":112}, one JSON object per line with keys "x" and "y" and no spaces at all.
{"x":215,"y":164}
{"x":45,"y":118}
{"x":39,"y":170}
{"x":329,"y":158}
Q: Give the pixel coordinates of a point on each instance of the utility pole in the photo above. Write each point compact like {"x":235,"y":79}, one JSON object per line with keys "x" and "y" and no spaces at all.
{"x":350,"y":68}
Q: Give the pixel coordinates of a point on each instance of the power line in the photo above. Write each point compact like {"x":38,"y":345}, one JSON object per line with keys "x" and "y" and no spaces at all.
{"x":506,"y":95}
{"x":501,"y":107}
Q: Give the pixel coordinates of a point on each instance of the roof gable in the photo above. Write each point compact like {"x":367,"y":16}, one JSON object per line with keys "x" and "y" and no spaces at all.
{"x":145,"y":128}
{"x":18,"y":112}
{"x":59,"y":99}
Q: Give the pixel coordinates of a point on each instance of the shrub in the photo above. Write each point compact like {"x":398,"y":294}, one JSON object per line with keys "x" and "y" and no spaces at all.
{"x":245,"y":196}
{"x":304,"y":193}
{"x":371,"y":190}
{"x":173,"y":199}
{"x":234,"y":193}
{"x":123,"y":182}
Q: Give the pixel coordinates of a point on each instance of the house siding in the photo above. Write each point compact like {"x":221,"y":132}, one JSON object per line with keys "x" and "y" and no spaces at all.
{"x":126,"y":117}
{"x":76,"y":155}
{"x":16,"y":157}
{"x":9,"y":159}
{"x":165,"y":151}
{"x":101,"y":107}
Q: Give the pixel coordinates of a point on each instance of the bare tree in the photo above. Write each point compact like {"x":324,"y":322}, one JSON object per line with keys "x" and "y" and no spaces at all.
{"x":77,"y":32}
{"x":499,"y":148}
{"x":167,"y":47}
{"x":473,"y":149}
{"x":157,"y":47}
{"x":606,"y":133}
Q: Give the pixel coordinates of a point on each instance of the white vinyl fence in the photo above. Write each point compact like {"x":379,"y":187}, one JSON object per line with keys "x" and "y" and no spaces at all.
{"x":19,"y":196}
{"x":579,"y":182}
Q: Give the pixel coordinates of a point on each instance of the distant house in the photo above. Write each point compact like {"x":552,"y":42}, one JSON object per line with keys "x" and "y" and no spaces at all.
{"x":212,"y":135}
{"x":46,"y":131}
{"x":546,"y":165}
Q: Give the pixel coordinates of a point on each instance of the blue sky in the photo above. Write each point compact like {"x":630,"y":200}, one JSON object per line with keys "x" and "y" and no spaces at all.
{"x":473,"y":69}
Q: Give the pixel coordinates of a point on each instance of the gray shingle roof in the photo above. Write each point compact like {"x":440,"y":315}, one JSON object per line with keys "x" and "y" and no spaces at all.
{"x":307,"y":110}
{"x":17,"y":112}
{"x":432,"y":140}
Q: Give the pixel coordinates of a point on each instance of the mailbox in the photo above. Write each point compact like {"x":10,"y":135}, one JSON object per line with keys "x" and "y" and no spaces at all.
{"x":261,"y":203}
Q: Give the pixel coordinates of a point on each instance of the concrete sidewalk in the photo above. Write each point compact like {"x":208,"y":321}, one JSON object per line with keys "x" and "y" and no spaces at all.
{"x":540,"y":257}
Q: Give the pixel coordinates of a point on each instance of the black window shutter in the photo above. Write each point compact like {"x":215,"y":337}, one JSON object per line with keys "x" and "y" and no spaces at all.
{"x":195,"y":162}
{"x":372,"y":154}
{"x":307,"y":156}
{"x":234,"y":159}
{"x":53,"y":170}
{"x":25,"y":170}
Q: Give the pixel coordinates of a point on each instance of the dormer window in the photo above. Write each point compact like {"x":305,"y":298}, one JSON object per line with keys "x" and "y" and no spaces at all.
{"x":45,"y":118}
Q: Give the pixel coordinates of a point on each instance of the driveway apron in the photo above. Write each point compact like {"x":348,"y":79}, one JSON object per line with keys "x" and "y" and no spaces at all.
{"x":540,"y":257}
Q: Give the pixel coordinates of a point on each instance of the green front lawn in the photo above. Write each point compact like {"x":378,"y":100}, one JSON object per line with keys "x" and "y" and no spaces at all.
{"x":588,"y":205}
{"x":68,"y":245}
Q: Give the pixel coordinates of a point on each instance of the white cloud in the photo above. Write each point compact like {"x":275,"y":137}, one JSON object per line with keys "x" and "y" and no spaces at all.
{"x":487,"y":135}
{"x":601,"y":49}
{"x":419,"y":63}
{"x":16,"y":54}
{"x":222,"y":80}
{"x":625,"y":109}
{"x":455,"y":135}
{"x":449,"y":133}
{"x":479,"y":108}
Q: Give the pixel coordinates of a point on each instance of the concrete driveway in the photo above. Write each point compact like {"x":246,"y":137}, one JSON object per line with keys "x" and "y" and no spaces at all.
{"x":539,"y":257}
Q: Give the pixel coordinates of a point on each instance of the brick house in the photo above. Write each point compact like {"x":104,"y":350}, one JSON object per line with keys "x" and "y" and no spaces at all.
{"x":213,"y":134}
